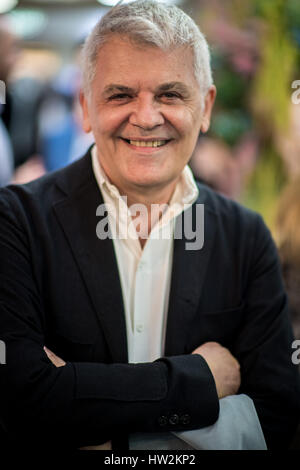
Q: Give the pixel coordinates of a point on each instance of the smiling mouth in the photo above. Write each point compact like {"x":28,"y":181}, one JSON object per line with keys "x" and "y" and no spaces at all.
{"x":146,"y":143}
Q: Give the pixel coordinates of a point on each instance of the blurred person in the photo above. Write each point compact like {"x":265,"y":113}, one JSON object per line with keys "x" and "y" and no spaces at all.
{"x":61,"y":137}
{"x":114,"y":332}
{"x":221,"y":167}
{"x":7,"y":60}
{"x":213,"y":163}
{"x":18,"y":163}
{"x":239,"y":46}
{"x":26,"y":93}
{"x":288,"y":142}
{"x":32,"y":169}
{"x":288,"y":238}
{"x":8,"y":55}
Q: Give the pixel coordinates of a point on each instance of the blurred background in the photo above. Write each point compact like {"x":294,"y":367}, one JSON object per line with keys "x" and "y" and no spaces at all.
{"x":252,"y":151}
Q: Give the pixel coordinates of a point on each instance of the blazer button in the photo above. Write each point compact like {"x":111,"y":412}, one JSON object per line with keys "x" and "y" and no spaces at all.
{"x":174,"y":419}
{"x":185,"y":419}
{"x":162,"y":420}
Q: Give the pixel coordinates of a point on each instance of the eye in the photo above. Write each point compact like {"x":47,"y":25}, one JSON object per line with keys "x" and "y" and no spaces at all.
{"x":119,"y":97}
{"x":170,"y":95}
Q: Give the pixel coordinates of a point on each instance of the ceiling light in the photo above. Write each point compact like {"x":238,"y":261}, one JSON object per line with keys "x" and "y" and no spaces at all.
{"x":7,"y":5}
{"x":28,"y":23}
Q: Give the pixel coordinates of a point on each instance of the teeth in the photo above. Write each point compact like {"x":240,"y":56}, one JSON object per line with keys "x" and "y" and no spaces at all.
{"x":151,"y":143}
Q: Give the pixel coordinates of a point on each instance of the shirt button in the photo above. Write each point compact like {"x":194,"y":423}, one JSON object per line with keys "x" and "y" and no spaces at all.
{"x":185,"y":419}
{"x":174,"y":419}
{"x":140,"y":328}
{"x":162,"y":420}
{"x":142,"y":265}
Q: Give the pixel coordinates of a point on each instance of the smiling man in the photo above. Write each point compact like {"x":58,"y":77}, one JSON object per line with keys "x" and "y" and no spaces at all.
{"x":146,"y":123}
{"x":128,"y":333}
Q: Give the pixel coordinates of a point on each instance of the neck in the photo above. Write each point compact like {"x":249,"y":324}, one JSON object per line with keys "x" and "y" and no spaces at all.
{"x":153,"y":205}
{"x":150,"y":196}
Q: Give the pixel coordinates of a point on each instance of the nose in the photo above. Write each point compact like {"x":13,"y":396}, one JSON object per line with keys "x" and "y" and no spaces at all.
{"x":146,"y":113}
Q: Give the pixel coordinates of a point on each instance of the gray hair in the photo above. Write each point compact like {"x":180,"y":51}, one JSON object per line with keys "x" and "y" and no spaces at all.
{"x":151,"y":23}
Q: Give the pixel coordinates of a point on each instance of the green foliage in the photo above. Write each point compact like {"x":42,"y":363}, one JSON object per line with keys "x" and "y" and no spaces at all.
{"x":271,"y":100}
{"x":293,"y":13}
{"x":230,"y":125}
{"x":265,"y":185}
{"x":241,"y":10}
{"x":272,"y":87}
{"x":231,"y":88}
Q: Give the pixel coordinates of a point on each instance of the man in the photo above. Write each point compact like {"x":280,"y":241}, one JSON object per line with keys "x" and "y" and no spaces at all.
{"x":112,"y":329}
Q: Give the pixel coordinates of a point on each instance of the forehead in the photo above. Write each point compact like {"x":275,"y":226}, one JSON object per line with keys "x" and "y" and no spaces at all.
{"x":123,"y":60}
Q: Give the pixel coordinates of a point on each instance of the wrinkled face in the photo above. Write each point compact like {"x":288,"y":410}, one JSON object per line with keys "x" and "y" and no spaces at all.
{"x":145,"y":111}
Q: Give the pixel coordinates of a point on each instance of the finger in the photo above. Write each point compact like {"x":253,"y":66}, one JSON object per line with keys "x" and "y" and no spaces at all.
{"x":57,"y":361}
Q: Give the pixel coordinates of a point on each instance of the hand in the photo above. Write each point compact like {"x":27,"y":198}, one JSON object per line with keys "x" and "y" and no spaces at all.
{"x":224,"y":367}
{"x":57,"y":361}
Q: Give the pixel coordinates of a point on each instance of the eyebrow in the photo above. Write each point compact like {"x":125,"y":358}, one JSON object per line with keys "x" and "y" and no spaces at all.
{"x":114,"y":88}
{"x":178,"y":86}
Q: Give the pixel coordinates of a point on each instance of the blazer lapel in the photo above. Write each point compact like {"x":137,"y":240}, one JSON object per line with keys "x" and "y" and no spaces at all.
{"x":95,"y":258}
{"x":188,"y":275}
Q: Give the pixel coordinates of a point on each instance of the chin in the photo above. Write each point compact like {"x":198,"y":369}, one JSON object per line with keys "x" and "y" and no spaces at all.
{"x":147,"y":182}
{"x":151,"y":181}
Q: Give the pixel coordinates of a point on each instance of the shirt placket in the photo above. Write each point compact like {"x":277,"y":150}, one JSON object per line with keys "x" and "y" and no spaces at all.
{"x":141,"y":307}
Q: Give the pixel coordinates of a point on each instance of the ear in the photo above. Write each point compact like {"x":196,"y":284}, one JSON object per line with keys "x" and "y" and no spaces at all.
{"x":86,"y":125}
{"x":208,"y":106}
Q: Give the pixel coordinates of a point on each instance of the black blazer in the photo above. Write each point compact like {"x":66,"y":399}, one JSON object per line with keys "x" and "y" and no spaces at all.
{"x":59,"y":287}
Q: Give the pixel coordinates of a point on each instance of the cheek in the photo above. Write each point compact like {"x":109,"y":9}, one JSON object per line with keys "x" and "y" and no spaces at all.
{"x":109,"y":123}
{"x":184,"y":122}
{"x":188,"y":130}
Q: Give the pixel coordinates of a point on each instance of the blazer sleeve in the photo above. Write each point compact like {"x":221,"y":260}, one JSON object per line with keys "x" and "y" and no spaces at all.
{"x":264,"y":344}
{"x":81,"y":403}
